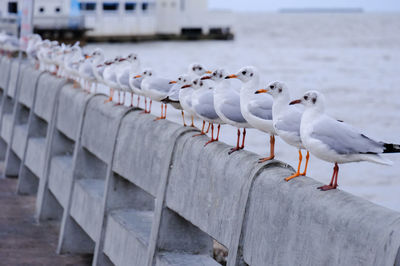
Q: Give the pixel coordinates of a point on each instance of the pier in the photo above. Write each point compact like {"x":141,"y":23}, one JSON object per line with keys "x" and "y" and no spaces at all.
{"x":122,"y":189}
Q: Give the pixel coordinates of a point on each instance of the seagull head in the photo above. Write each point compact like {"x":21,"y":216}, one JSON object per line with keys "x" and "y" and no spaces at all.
{"x":132,"y":57}
{"x":217,"y":75}
{"x":146,"y":73}
{"x":276,"y":89}
{"x":311,"y":99}
{"x":245,"y":74}
{"x":198,"y":69}
{"x":181,"y":80}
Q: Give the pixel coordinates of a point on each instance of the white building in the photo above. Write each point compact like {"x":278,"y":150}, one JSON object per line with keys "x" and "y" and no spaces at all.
{"x":121,"y":18}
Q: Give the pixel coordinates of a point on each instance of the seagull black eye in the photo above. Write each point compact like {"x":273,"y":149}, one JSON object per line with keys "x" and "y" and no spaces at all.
{"x":314,"y":100}
{"x":244,"y":72}
{"x":135,"y":58}
{"x":272,"y":87}
{"x":195,"y":82}
{"x":200,"y":68}
{"x":201,"y":83}
{"x":251,"y":74}
{"x":280,"y":90}
{"x":306,"y":97}
{"x":150,"y":74}
{"x":220,"y":76}
{"x":145,"y":72}
{"x":194,"y":68}
{"x":214,"y":74}
{"x":184,"y":80}
{"x":179,"y":79}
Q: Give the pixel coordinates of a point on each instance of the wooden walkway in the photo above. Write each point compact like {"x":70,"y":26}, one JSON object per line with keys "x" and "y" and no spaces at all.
{"x":22,"y":240}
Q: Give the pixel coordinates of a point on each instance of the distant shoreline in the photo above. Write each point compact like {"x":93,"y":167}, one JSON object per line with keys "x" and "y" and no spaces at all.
{"x":321,"y":10}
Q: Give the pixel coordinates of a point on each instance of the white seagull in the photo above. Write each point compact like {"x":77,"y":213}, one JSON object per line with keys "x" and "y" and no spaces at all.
{"x":256,"y":110}
{"x":335,"y":141}
{"x":227,"y":105}
{"x":203,"y":105}
{"x":185,"y":96}
{"x":156,"y":88}
{"x":286,"y":120}
{"x":130,"y":68}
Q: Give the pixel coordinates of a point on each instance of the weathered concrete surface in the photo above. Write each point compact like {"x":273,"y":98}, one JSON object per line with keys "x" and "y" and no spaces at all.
{"x":101,"y":121}
{"x":6,"y":127}
{"x":141,"y":149}
{"x":60,"y":177}
{"x":293,"y":223}
{"x":12,"y":82}
{"x":46,"y":93}
{"x":29,"y":81}
{"x":182,"y":259}
{"x":22,"y":241}
{"x":70,"y":109}
{"x":5,"y":72}
{"x":128,"y":230}
{"x":209,"y":188}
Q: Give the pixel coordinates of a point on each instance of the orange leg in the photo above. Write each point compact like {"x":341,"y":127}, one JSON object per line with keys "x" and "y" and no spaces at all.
{"x":145,"y":106}
{"x":305,"y":168}
{"x":149,"y":111}
{"x":162,"y":116}
{"x":131,"y":99}
{"x":165,"y":111}
{"x":183,"y":118}
{"x":212,"y":135}
{"x":192,"y":125}
{"x":244,"y":136}
{"x":111,"y":96}
{"x":298,"y":168}
{"x":237,"y":143}
{"x":333,"y":184}
{"x":208,"y":129}
{"x":271,"y":151}
{"x":202,"y":130}
{"x":219,"y":127}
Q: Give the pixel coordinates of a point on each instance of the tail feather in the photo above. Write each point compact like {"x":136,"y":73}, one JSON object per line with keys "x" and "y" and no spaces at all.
{"x":391,"y":148}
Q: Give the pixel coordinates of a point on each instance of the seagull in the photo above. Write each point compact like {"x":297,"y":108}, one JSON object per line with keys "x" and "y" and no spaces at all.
{"x":257,"y":111}
{"x":203,"y":105}
{"x":173,"y":96}
{"x":110,"y":76}
{"x":286,"y":120}
{"x":335,"y":141}
{"x":227,"y":105}
{"x":185,"y":96}
{"x":157,"y":89}
{"x":130,"y":68}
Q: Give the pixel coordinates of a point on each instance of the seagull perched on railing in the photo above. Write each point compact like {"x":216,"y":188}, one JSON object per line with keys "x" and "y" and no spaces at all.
{"x":203,"y":105}
{"x":256,"y":110}
{"x":286,"y":121}
{"x":130,"y":67}
{"x":156,"y":88}
{"x":185,"y":96}
{"x":335,"y":141}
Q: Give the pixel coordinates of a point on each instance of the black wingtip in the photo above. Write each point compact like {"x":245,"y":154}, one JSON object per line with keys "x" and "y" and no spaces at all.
{"x":391,"y":148}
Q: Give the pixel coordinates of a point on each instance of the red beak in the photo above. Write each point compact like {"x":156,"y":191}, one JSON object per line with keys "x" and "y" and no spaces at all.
{"x":295,"y":102}
{"x":205,"y":77}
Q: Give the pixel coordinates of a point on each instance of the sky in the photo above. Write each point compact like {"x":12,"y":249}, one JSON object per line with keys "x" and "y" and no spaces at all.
{"x":274,"y":5}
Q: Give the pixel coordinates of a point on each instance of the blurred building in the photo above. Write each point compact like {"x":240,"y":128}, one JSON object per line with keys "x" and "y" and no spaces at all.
{"x":125,"y":19}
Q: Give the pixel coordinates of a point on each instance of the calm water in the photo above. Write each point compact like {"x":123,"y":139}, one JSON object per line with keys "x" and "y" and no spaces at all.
{"x":354,"y":59}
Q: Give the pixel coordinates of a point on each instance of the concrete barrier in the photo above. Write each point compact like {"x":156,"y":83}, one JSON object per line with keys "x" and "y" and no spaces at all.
{"x":132,"y":191}
{"x":15,"y":131}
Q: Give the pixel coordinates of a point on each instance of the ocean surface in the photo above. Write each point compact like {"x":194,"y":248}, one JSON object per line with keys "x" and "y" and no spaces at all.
{"x":354,"y":59}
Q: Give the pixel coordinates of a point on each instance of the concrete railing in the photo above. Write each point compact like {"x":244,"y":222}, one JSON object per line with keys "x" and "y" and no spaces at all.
{"x":133,"y":191}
